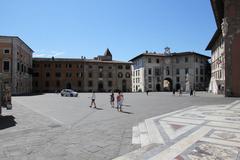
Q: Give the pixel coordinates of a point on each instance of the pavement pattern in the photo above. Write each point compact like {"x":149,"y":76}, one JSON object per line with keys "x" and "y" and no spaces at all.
{"x":210,"y":132}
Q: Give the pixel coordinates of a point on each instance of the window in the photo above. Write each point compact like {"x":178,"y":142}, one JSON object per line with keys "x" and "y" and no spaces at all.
{"x":127,"y":75}
{"x":110,"y":75}
{"x":6,"y":66}
{"x":36,"y":83}
{"x":177,"y":71}
{"x":149,"y":79}
{"x":157,"y":60}
{"x":100,"y":68}
{"x":201,"y":71}
{"x":68,"y":65}
{"x":6,"y":51}
{"x":201,"y":79}
{"x":47,"y":65}
{"x":120,"y":67}
{"x":186,"y":70}
{"x":158,"y":79}
{"x":58,"y":65}
{"x":178,"y":79}
{"x":100,"y":75}
{"x":128,"y":67}
{"x":90,"y":84}
{"x":90,"y":66}
{"x":109,"y":83}
{"x":79,"y":66}
{"x":149,"y":86}
{"x":58,"y":74}
{"x":196,"y":78}
{"x":120,"y":75}
{"x":177,"y":60}
{"x":149,"y":71}
{"x":90,"y":74}
{"x":196,"y":59}
{"x":47,"y":74}
{"x":22,"y":68}
{"x":18,"y":66}
{"x":196,"y":70}
{"x":46,"y":84}
{"x":35,"y":74}
{"x":58,"y":83}
{"x":167,"y":71}
{"x":157,"y":71}
{"x":149,"y":60}
{"x":79,"y":75}
{"x":79,"y":83}
{"x":110,"y":67}
{"x":186,"y":59}
{"x":68,"y":74}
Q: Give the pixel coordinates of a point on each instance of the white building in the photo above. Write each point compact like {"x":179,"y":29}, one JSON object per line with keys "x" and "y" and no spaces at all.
{"x":164,"y":72}
{"x":217,"y":82}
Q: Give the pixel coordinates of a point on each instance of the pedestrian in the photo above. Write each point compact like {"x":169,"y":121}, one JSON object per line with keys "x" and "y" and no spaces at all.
{"x":93,"y":98}
{"x":174,"y":91}
{"x":119,"y":101}
{"x":147,"y":92}
{"x":194,"y":92}
{"x":112,"y":99}
{"x":191,"y":92}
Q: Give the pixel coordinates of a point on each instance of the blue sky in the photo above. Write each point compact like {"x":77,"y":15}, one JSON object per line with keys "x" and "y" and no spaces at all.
{"x":75,"y":28}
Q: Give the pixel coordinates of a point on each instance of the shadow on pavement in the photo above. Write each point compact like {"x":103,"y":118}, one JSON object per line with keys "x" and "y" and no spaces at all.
{"x":7,"y":122}
{"x":98,"y":108}
{"x":127,"y":112}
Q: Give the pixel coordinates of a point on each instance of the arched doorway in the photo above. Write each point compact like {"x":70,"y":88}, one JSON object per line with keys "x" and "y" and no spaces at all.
{"x":124,"y":85}
{"x":100,"y":86}
{"x":69,"y":86}
{"x":178,"y":86}
{"x":167,"y":84}
{"x":158,"y":87}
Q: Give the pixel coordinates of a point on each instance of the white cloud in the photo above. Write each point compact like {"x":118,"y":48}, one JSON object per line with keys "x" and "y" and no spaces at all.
{"x":47,"y":53}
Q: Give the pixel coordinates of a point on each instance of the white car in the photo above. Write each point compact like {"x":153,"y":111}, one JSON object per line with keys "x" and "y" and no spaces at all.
{"x":68,"y":93}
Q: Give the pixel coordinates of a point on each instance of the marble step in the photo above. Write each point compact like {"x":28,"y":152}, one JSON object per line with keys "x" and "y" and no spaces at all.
{"x":144,"y":138}
{"x":153,"y":132}
{"x":138,"y":154}
{"x":135,"y":135}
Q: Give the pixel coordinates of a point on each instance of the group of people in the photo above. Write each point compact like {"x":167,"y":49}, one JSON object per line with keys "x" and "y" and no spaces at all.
{"x":119,"y":98}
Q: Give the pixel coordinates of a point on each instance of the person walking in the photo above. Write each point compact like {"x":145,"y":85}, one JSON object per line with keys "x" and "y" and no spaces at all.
{"x":119,"y":101}
{"x":93,"y":100}
{"x":112,"y":99}
{"x":191,"y":92}
{"x":174,"y":91}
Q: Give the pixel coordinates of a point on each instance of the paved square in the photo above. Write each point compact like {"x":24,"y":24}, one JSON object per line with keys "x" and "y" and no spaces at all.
{"x":53,"y":127}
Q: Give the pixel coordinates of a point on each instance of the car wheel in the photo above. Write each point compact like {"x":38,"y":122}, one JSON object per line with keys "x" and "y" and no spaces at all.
{"x":71,"y":95}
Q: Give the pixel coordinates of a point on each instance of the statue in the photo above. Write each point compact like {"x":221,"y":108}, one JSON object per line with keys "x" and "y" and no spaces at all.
{"x":224,"y":27}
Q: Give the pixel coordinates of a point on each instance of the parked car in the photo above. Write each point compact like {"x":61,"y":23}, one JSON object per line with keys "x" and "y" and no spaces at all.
{"x":68,"y":93}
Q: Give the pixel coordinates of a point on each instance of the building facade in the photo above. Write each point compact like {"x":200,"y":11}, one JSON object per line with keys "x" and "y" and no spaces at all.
{"x":101,"y":74}
{"x":217,"y":82}
{"x":16,"y":64}
{"x":225,"y":47}
{"x":168,"y":71}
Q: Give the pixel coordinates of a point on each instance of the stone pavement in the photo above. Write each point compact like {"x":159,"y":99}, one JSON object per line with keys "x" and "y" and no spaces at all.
{"x":50,"y":127}
{"x":210,"y":132}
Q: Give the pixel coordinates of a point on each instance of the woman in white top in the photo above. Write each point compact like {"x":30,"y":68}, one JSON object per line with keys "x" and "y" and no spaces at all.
{"x":93,"y":100}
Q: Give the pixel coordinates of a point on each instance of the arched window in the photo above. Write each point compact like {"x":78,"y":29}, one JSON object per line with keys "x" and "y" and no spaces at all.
{"x":120,"y":75}
{"x":127,"y":75}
